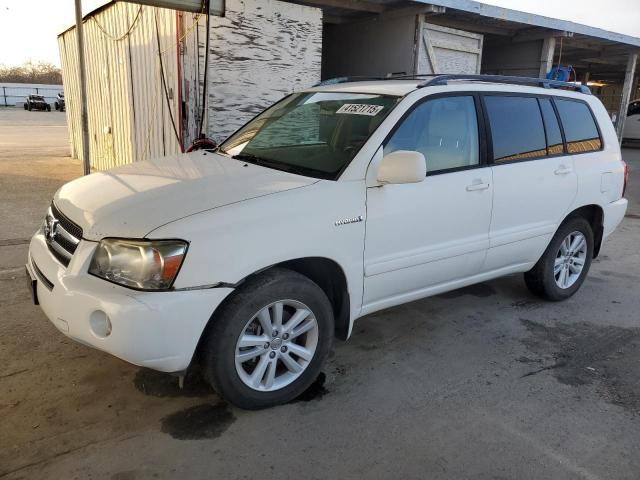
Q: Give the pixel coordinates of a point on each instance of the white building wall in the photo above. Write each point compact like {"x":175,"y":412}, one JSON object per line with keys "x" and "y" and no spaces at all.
{"x":261,"y":51}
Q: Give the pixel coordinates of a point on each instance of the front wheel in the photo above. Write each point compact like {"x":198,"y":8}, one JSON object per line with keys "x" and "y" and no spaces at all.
{"x":565,"y":263}
{"x":269,"y":341}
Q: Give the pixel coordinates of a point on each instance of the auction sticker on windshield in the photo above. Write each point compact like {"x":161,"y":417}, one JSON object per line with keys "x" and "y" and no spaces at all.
{"x":360,"y":109}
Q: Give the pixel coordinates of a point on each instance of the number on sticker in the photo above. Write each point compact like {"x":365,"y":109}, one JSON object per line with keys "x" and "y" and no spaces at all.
{"x":360,"y":109}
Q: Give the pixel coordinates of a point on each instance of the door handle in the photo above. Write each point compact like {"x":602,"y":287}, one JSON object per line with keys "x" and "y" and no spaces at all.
{"x":477,"y":186}
{"x":563,"y":170}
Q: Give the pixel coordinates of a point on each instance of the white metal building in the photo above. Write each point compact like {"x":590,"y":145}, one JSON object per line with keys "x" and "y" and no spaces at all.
{"x":261,"y":50}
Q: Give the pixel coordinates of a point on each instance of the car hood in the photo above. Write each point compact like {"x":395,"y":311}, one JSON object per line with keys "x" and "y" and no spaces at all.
{"x":133,"y":200}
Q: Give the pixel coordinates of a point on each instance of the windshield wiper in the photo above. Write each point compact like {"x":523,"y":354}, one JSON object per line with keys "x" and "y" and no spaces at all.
{"x":251,"y":158}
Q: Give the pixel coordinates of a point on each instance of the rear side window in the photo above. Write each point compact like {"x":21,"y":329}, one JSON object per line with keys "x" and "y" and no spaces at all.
{"x":552,"y":128}
{"x":579,"y":127}
{"x":516,"y":125}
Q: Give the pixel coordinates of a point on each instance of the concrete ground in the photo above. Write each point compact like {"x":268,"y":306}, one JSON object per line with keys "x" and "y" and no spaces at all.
{"x":486,"y":382}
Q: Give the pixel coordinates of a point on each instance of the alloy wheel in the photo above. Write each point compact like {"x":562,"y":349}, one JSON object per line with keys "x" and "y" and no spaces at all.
{"x":570,"y":260}
{"x":276,"y":345}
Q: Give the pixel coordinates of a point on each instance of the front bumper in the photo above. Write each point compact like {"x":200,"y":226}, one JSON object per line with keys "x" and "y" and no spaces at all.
{"x":158,"y":330}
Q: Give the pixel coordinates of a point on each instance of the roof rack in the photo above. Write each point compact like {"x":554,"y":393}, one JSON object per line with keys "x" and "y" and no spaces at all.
{"x":539,"y":82}
{"x":337,"y":80}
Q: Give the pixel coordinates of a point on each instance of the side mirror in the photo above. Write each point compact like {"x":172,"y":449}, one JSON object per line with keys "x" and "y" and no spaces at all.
{"x":402,"y":166}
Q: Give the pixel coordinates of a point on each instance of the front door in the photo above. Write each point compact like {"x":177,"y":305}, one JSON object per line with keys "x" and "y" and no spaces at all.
{"x":422,"y":236}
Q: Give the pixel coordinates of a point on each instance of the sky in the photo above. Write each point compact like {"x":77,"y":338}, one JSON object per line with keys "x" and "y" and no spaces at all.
{"x":29,"y":29}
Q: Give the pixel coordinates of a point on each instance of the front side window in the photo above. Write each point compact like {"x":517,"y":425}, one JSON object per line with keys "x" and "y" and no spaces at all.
{"x":313,"y":133}
{"x":444,"y":130}
{"x":579,"y":126}
{"x":516,"y":125}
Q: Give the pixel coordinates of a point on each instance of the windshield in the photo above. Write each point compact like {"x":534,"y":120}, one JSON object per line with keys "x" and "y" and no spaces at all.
{"x":315,"y":133}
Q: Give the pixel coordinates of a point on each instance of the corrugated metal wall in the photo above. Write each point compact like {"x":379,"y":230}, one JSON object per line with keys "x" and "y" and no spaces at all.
{"x":129,"y":118}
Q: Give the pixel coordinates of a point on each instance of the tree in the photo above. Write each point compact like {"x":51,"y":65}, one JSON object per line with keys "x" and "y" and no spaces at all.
{"x":31,"y":72}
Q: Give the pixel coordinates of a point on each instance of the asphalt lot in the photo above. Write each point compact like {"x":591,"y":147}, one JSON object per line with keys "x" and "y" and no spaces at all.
{"x":486,"y":382}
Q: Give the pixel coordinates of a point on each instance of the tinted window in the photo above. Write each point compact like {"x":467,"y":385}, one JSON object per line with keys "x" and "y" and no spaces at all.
{"x":551,"y":126}
{"x":516,"y":128}
{"x":634,"y":108}
{"x":579,"y":127}
{"x":444,"y":130}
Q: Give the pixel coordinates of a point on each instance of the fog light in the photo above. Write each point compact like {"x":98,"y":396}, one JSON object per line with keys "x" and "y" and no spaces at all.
{"x":100,"y":324}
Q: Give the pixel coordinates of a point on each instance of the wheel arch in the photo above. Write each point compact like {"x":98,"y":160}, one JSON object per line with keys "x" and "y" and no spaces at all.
{"x":594,"y":214}
{"x":330,"y":277}
{"x":324,"y":272}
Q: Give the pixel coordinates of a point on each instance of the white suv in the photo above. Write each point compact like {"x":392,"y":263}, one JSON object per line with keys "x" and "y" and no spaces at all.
{"x":335,"y":202}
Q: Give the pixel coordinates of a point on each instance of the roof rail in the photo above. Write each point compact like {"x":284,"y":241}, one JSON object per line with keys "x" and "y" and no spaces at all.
{"x":337,"y":80}
{"x":539,"y":82}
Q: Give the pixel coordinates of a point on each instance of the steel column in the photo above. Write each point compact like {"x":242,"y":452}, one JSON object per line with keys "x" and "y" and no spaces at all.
{"x":546,"y":56}
{"x":84,"y":119}
{"x":626,"y":93}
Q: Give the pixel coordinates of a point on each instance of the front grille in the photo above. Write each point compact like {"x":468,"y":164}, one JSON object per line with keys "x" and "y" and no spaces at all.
{"x":62,"y":235}
{"x":67,"y":224}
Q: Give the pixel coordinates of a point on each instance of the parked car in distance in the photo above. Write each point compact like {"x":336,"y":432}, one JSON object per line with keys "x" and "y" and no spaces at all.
{"x":336,"y":202}
{"x":631,"y":130}
{"x":59,"y":103}
{"x":36,"y":102}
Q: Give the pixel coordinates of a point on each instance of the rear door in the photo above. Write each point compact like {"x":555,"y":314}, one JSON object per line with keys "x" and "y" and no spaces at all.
{"x":534,"y":180}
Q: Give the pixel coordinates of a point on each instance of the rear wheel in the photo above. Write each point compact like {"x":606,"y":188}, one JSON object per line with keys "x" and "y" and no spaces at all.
{"x":269,"y":341}
{"x":565,"y":263}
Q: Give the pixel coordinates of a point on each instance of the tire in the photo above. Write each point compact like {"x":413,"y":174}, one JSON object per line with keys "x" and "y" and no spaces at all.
{"x":48,"y":108}
{"x":25,"y":106}
{"x":29,"y":108}
{"x":244,"y":384}
{"x":552,"y":285}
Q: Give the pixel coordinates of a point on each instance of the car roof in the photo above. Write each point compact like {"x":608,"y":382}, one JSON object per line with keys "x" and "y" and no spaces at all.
{"x":397,"y":87}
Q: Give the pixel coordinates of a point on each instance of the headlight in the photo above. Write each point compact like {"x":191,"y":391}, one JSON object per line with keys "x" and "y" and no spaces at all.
{"x":142,"y":264}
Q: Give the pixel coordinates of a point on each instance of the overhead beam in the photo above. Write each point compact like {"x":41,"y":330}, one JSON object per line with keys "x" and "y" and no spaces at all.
{"x":429,"y":10}
{"x":216,"y":7}
{"x":475,"y":27}
{"x":354,"y":5}
{"x":531,"y":34}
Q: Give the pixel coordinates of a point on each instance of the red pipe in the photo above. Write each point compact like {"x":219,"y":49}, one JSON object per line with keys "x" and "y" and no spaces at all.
{"x":179,"y":73}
